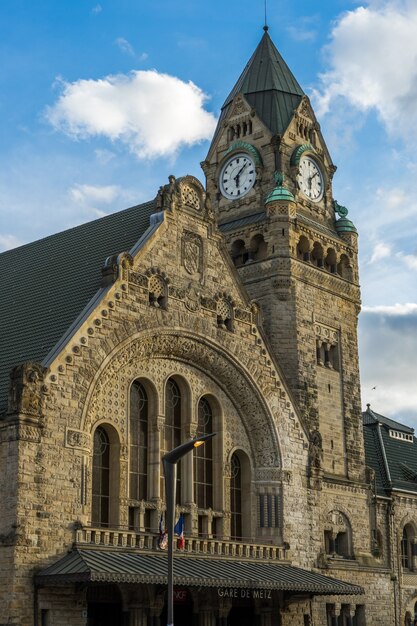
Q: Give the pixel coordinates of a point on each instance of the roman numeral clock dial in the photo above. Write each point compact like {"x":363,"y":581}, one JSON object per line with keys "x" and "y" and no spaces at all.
{"x":310,"y":179}
{"x":237,"y":176}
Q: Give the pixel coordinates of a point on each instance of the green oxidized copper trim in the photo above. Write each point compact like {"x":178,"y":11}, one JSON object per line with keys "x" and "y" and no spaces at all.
{"x":339,"y":209}
{"x":343,"y":225}
{"x":298,"y":152}
{"x":243,"y":145}
{"x":279,"y":193}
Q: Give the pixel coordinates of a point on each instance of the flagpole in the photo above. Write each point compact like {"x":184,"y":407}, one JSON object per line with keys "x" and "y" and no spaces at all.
{"x":171,"y":489}
{"x":169,"y":462}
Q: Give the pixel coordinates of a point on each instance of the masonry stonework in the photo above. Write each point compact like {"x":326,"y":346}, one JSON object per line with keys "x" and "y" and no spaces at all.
{"x":246,"y":307}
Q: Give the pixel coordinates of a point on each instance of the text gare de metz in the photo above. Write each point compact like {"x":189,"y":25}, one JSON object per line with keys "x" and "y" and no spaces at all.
{"x":230,"y":592}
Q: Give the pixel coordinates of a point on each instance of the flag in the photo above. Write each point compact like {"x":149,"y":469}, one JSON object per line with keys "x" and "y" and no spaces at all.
{"x":179,"y":531}
{"x":163,"y":536}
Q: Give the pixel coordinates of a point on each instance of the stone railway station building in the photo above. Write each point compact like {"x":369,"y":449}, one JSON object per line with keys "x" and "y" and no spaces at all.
{"x":230,"y":308}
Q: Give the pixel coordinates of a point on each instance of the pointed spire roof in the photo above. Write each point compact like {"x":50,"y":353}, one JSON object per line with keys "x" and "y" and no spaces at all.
{"x":269,"y":86}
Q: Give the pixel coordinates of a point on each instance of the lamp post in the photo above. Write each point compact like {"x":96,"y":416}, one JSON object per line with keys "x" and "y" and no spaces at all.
{"x":170,"y":461}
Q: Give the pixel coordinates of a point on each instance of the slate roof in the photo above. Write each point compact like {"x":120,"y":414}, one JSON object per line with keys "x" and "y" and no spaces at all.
{"x":240,"y":222}
{"x":269,"y":86}
{"x":394,"y":459}
{"x":133,"y":567}
{"x":46,"y":284}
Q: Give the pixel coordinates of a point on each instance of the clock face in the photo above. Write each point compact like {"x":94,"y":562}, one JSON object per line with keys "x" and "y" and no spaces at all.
{"x":237,"y":176}
{"x":310,"y":179}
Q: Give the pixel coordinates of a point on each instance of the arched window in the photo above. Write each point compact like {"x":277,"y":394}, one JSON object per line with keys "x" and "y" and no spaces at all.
{"x":258,"y":248}
{"x":303,"y":249}
{"x":330,"y":261}
{"x":344,"y":269}
{"x":407,"y":547}
{"x":203,"y":458}
{"x":138,"y":442}
{"x":101,"y":478}
{"x":317,"y":255}
{"x":239,"y":252}
{"x":173,"y":425}
{"x":236,"y":498}
{"x":338,"y":540}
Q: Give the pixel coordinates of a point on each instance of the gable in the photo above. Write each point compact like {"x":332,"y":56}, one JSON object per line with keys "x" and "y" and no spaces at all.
{"x":46,"y":284}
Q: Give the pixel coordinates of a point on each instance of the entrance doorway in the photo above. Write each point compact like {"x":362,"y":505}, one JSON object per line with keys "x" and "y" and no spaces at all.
{"x":104,"y":606}
{"x":241,"y":616}
{"x":104,"y":615}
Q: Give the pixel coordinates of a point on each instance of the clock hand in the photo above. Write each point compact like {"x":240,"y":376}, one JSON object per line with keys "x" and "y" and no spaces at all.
{"x":239,"y":172}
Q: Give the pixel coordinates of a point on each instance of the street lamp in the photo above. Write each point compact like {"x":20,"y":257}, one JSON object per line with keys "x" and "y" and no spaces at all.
{"x":170,"y":461}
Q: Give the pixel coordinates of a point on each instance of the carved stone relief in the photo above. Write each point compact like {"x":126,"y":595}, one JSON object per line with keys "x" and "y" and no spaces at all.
{"x":192,"y":253}
{"x":77,"y":439}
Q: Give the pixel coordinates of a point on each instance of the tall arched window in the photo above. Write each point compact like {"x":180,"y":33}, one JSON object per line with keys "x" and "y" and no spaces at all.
{"x":138,"y":442}
{"x":173,"y":425}
{"x":407,"y":547}
{"x":101,"y":478}
{"x":236,"y":498}
{"x":203,"y":458}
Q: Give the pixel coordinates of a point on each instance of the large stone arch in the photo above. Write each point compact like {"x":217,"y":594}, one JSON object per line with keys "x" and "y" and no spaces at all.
{"x":204,"y":355}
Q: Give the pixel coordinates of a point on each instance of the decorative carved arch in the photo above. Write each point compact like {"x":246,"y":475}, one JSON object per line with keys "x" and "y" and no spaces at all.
{"x":218,"y":364}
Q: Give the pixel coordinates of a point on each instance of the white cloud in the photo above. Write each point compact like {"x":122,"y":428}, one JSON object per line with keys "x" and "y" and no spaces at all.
{"x":96,"y":9}
{"x":373,"y":64}
{"x":85,"y":194}
{"x":125,"y":46}
{"x":7,"y":242}
{"x":409,"y":259}
{"x":408,"y":308}
{"x":388,"y":343}
{"x":153,"y":114}
{"x":381,"y":251}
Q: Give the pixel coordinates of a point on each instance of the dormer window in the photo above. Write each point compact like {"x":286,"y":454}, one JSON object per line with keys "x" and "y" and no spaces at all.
{"x":397,"y":434}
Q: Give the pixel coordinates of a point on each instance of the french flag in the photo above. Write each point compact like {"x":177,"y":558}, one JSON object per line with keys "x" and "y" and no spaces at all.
{"x":179,"y":531}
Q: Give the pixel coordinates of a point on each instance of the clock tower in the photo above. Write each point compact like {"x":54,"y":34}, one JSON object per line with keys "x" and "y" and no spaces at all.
{"x":269,"y":174}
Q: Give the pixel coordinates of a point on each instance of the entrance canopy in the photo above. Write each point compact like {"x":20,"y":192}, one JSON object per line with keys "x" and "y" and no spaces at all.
{"x":115,"y":566}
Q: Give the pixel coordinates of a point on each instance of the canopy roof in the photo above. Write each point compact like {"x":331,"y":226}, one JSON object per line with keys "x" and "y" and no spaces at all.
{"x":132,"y":567}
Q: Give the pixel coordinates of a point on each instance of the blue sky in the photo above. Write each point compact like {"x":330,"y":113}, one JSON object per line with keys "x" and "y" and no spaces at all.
{"x":74,"y":145}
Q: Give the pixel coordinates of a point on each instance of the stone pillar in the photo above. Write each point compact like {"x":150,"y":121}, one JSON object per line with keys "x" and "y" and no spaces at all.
{"x":154,"y":458}
{"x":187,"y":475}
{"x":332,"y":543}
{"x":206,"y":617}
{"x":265,"y":617}
{"x":138,"y":617}
{"x":327,"y":360}
{"x":334,"y":614}
{"x":350,"y":613}
{"x":319,"y":344}
{"x":227,"y":476}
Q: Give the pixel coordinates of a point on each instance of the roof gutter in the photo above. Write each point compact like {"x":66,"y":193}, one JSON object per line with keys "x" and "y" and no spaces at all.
{"x":384,"y":454}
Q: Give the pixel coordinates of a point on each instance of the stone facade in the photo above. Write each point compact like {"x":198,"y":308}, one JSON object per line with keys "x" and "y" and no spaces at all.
{"x":256,"y":315}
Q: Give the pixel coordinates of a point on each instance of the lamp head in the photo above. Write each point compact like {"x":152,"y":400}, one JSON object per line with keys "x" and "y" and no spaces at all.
{"x":177,"y":453}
